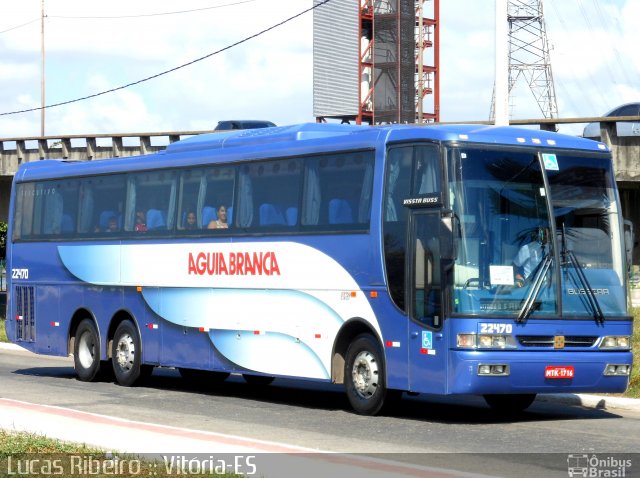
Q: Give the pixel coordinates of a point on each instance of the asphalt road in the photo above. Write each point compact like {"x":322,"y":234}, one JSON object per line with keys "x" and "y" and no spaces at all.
{"x":424,"y":429}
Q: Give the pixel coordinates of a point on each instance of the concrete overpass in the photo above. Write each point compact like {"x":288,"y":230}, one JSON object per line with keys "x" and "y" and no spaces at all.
{"x":15,"y":151}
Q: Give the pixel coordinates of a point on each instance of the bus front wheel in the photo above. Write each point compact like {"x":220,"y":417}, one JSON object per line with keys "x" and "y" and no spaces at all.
{"x":510,"y":403}
{"x":86,"y":351}
{"x":126,"y":355}
{"x":364,"y":375}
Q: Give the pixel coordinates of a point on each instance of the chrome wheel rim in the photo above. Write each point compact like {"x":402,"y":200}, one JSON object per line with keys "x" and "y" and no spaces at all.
{"x":125,"y":352}
{"x":365,"y":374}
{"x":86,"y":350}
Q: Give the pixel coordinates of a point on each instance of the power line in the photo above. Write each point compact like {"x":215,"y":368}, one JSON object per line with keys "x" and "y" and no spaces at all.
{"x":20,"y":26}
{"x":115,"y":17}
{"x":75,"y":17}
{"x":255,"y":35}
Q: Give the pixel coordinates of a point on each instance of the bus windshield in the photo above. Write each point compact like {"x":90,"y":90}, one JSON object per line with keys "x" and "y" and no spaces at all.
{"x":537,"y":234}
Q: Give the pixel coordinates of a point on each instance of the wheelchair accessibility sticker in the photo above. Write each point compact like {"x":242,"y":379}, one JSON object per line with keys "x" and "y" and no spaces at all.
{"x":427,"y":343}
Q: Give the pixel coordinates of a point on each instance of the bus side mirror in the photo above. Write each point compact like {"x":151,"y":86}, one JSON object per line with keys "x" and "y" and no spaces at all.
{"x":448,"y":237}
{"x":629,"y":242}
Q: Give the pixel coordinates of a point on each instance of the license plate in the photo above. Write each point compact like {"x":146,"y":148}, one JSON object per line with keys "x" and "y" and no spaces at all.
{"x":553,"y":371}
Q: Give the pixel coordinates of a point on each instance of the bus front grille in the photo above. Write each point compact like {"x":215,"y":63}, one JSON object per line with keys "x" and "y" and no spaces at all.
{"x":548,"y":341}
{"x":26,"y":313}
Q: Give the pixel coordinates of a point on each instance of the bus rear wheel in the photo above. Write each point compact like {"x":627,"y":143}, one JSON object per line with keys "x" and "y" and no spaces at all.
{"x":86,"y":351}
{"x":510,"y":403}
{"x":364,"y":375}
{"x":126,"y":355}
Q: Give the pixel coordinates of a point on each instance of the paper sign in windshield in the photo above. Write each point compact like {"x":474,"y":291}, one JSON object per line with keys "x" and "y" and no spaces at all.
{"x":501,"y":275}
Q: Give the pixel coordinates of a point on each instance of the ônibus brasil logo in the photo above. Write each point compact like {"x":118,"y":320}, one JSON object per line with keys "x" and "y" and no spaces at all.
{"x":594,"y":466}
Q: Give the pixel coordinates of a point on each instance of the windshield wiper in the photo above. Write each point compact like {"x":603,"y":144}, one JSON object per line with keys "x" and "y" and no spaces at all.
{"x":534,"y":291}
{"x":582,"y":278}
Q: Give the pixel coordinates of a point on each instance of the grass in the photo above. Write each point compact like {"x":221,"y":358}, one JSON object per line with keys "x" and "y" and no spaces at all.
{"x":3,"y":332}
{"x":24,"y":443}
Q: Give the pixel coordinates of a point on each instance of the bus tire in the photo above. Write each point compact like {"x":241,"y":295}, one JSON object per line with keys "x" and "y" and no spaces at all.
{"x":510,"y":403}
{"x":258,"y":380}
{"x":86,"y":351}
{"x":126,"y":355}
{"x":364,"y":375}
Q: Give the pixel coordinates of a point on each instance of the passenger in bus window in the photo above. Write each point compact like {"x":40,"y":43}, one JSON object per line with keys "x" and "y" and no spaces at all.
{"x":141,"y":225}
{"x":112,"y":225}
{"x":190,"y":222}
{"x":221,"y":222}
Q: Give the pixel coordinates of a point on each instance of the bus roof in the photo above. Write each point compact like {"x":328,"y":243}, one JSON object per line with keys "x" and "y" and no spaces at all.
{"x":453,"y":132}
{"x":306,"y":138}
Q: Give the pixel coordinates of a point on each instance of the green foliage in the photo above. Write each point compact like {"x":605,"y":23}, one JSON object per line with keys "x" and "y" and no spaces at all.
{"x":12,"y":443}
{"x":634,"y":387}
{"x":3,"y":239}
{"x":3,"y":332}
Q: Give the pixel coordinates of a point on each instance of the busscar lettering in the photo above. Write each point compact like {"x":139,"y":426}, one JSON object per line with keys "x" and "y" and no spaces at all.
{"x":233,"y":264}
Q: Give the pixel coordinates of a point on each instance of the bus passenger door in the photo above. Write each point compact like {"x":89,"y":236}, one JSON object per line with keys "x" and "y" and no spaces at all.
{"x":427,"y":344}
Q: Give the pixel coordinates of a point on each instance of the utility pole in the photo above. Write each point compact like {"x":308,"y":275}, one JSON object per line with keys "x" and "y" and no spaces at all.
{"x":42,"y":74}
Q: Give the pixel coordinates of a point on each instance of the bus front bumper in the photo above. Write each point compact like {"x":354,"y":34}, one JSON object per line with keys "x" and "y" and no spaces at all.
{"x":497,"y":372}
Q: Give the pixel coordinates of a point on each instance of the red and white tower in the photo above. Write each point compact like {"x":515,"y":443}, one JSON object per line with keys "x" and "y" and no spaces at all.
{"x":376,"y":61}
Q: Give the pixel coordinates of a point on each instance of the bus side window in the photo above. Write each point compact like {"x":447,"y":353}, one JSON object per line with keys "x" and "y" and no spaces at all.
{"x":216,"y":191}
{"x":338,"y":189}
{"x":47,"y":208}
{"x":193,"y":187}
{"x":154,"y":194}
{"x":269,"y":194}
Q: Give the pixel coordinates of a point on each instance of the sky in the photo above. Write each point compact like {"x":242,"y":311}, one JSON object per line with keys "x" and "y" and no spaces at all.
{"x":593,"y":43}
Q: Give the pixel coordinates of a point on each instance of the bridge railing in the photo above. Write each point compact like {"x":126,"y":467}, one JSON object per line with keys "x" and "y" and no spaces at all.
{"x":15,"y":151}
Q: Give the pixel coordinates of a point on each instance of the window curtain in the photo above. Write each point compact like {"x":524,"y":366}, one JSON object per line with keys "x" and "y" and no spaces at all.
{"x":86,"y":208}
{"x":313,"y":196}
{"x":245,"y":214}
{"x":53,"y":208}
{"x":391,"y":214}
{"x":130,"y":213}
{"x":202,"y":194}
{"x":364,"y":211}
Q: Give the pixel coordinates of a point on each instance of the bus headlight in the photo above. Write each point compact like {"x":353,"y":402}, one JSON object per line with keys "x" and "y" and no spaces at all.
{"x":485,"y":341}
{"x":617,"y":342}
{"x":466,"y":341}
{"x":617,"y":369}
{"x":501,"y":370}
{"x":490,"y":341}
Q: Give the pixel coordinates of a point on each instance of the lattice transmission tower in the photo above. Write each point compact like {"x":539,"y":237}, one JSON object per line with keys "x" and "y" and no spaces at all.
{"x":529,"y":57}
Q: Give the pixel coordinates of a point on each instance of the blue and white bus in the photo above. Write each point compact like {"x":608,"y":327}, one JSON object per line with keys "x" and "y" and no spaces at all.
{"x":387,"y":259}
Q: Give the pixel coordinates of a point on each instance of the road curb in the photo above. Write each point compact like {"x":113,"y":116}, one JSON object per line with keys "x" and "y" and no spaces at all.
{"x":598,"y":402}
{"x":13,"y":347}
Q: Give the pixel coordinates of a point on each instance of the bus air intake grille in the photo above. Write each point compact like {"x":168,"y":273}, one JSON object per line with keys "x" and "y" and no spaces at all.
{"x":26,"y":313}
{"x":547,"y":341}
